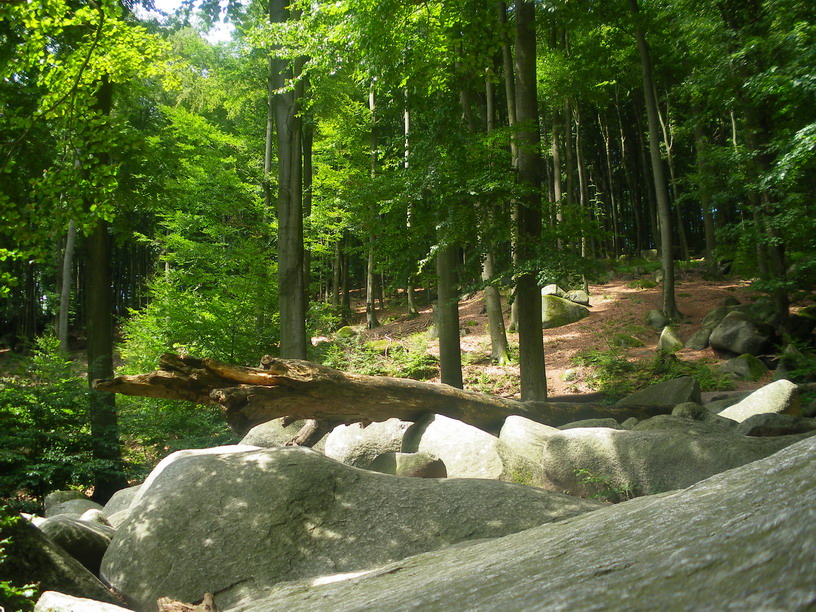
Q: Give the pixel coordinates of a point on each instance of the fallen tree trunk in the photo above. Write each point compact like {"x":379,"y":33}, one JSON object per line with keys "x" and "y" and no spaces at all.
{"x":304,"y":390}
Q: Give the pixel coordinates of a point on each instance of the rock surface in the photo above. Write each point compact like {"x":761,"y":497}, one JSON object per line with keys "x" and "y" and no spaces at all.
{"x":745,"y":367}
{"x":72,"y":506}
{"x":236,"y":521}
{"x":738,"y":333}
{"x":741,"y":540}
{"x":669,"y":341}
{"x":52,"y":601}
{"x":358,"y":446}
{"x":556,"y":311}
{"x":414,"y":465}
{"x":86,"y":542}
{"x":466,"y":451}
{"x":669,"y":393}
{"x":781,"y":397}
{"x":773,"y":424}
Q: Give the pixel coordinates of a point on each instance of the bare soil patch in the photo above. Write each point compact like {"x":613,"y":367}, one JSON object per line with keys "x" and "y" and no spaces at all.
{"x":616,"y":307}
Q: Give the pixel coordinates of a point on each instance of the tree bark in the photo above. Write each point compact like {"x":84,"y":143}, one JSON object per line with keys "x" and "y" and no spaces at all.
{"x":371,"y":312}
{"x":450,"y":355}
{"x":528,"y":210}
{"x":300,"y":389}
{"x":661,"y":192}
{"x":65,"y":290}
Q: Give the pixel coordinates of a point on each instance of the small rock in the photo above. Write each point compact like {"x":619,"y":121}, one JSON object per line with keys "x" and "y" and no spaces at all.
{"x":58,"y":497}
{"x":414,"y":465}
{"x":556,"y":312}
{"x":553,"y":289}
{"x":699,"y":339}
{"x":85,"y":542}
{"x":578,"y":296}
{"x":72,"y":506}
{"x":772,"y":424}
{"x":738,"y":333}
{"x":669,"y":342}
{"x":52,"y":601}
{"x":669,"y":393}
{"x":656,"y":319}
{"x":358,"y":446}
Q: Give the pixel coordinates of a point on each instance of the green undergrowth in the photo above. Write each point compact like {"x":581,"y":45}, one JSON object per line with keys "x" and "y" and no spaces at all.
{"x":406,"y":358}
{"x":611,"y":373}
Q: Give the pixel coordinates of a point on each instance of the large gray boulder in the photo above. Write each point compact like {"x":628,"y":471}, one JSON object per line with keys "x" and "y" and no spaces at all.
{"x":413,"y":465}
{"x":76,"y":506}
{"x":359,"y":446}
{"x":58,"y":497}
{"x":745,"y":367}
{"x":643,"y":462}
{"x":781,"y":397}
{"x":556,"y":312}
{"x":669,"y":341}
{"x":738,"y":333}
{"x":236,"y":521}
{"x":699,"y":339}
{"x":466,"y":451}
{"x":740,"y":540}
{"x":84,"y":541}
{"x":772,"y":424}
{"x":669,"y":394}
{"x":121,"y":500}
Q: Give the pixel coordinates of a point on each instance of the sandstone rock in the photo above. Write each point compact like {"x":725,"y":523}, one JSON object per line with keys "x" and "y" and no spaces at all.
{"x":625,"y":341}
{"x":415,"y":465}
{"x":72,"y":506}
{"x":745,"y":367}
{"x":692,"y":410}
{"x":772,"y":424}
{"x":346,"y":331}
{"x":740,"y":540}
{"x":94,"y":516}
{"x":649,"y":254}
{"x":630,"y":423}
{"x":738,"y":333}
{"x":466,"y":451}
{"x":669,"y":394}
{"x":713,"y":318}
{"x":556,"y":311}
{"x":358,"y":446}
{"x":669,"y":341}
{"x":85,"y":542}
{"x":781,"y":397}
{"x":238,"y":521}
{"x":681,"y":423}
{"x":52,"y":601}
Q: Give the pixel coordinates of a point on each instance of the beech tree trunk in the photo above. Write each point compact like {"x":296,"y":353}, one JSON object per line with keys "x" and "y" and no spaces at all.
{"x":528,"y":210}
{"x":450,"y":355}
{"x":300,"y":389}
{"x":65,"y":290}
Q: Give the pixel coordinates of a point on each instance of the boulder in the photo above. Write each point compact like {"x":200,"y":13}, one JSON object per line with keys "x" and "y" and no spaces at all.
{"x":681,"y":423}
{"x":692,"y":410}
{"x":121,"y":500}
{"x":740,"y":540}
{"x":237,"y":521}
{"x":669,"y":341}
{"x":656,"y":319}
{"x":553,"y":289}
{"x":745,"y":367}
{"x":52,"y":601}
{"x":738,"y":333}
{"x":34,"y":558}
{"x":669,"y":394}
{"x":625,"y":341}
{"x":347,"y":331}
{"x":772,"y":424}
{"x":57,"y":497}
{"x":273,"y":433}
{"x":85,"y":542}
{"x":781,"y":397}
{"x":579,"y":296}
{"x":645,"y":462}
{"x":415,"y":465}
{"x":358,"y":445}
{"x":609,"y":422}
{"x":76,"y":506}
{"x":466,"y":451}
{"x":713,"y":318}
{"x":94,"y":516}
{"x":556,"y":311}
{"x":699,"y":339}
{"x":649,"y":254}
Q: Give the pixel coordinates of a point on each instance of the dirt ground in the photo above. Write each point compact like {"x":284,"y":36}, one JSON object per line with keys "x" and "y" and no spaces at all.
{"x":615,"y":308}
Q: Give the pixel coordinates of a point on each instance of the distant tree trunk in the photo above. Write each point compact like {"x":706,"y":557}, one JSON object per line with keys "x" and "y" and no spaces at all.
{"x":65,"y":290}
{"x":371,"y":313}
{"x":604,"y":127}
{"x":668,"y":141}
{"x":583,"y":186}
{"x":450,"y":356}
{"x":288,"y":126}
{"x":109,"y":477}
{"x":663,"y":208}
{"x":406,"y":131}
{"x":337,"y":269}
{"x":308,"y":172}
{"x":531,"y":340}
{"x":704,"y":193}
{"x":557,"y":190}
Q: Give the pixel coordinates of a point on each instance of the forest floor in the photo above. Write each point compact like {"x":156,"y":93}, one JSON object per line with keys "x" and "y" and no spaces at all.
{"x":616,"y":307}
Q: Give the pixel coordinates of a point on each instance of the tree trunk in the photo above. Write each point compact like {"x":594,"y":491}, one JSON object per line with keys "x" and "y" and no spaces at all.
{"x":371,"y":313}
{"x":668,"y":141}
{"x":704,"y":193}
{"x":661,"y":193}
{"x":65,"y":290}
{"x":301,"y":389}
{"x":528,"y":210}
{"x":308,"y":172}
{"x":288,"y":126}
{"x":495,"y":318}
{"x":450,"y":356}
